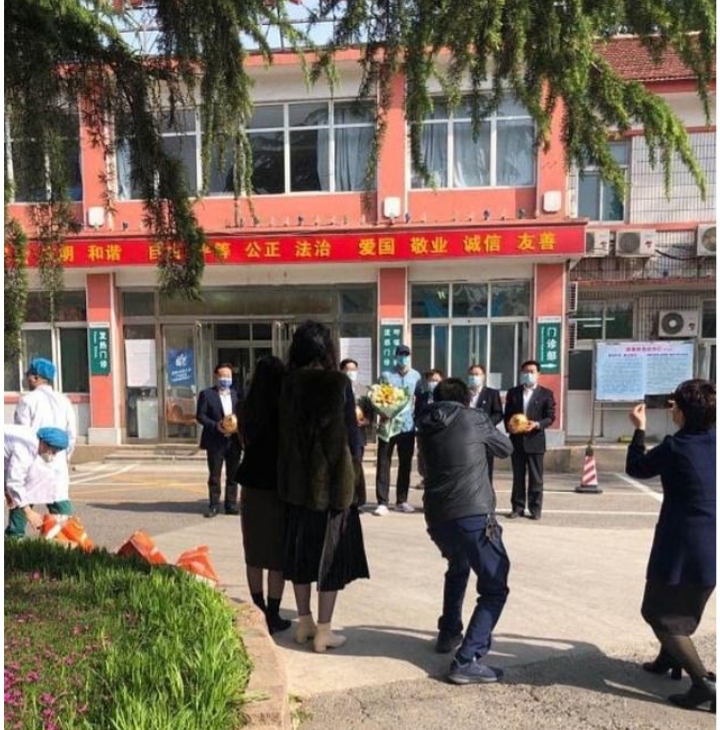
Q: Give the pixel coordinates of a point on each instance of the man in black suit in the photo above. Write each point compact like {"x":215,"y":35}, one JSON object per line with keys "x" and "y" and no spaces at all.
{"x":221,"y":445}
{"x":538,"y":405}
{"x":487,"y":400}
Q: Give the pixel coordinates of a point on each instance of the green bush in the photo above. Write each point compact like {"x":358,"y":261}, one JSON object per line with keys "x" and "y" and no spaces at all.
{"x":97,"y":641}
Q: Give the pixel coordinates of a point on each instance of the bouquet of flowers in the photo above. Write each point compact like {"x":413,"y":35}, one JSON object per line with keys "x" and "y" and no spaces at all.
{"x":391,"y":403}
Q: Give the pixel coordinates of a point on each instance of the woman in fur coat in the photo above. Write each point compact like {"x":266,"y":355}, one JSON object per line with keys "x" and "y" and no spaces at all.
{"x":319,"y":478}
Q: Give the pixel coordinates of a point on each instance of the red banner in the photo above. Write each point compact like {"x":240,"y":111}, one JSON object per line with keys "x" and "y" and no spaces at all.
{"x":375,"y":246}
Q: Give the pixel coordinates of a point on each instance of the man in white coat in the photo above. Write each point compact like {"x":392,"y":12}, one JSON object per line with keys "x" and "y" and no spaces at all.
{"x":41,"y":407}
{"x":29,"y":474}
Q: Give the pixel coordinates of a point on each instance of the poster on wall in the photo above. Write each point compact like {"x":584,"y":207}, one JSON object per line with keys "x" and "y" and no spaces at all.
{"x":391,"y":335}
{"x":181,"y":366}
{"x":360,"y":350}
{"x":548,"y":349}
{"x":629,"y":371}
{"x":140,"y":364}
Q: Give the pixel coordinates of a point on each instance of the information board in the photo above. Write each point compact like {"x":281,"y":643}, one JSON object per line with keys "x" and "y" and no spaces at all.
{"x":629,"y":371}
{"x":391,"y":335}
{"x":360,"y":350}
{"x":99,"y":344}
{"x":549,"y":344}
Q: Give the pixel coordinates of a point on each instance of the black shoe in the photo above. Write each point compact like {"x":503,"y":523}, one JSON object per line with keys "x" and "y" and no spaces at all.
{"x":696,"y":696}
{"x":662,"y":664}
{"x":232,"y":511}
{"x":212,"y":511}
{"x":534,"y":516}
{"x":275,"y":622}
{"x":447,"y":642}
{"x":515,"y":514}
{"x":473,"y":673}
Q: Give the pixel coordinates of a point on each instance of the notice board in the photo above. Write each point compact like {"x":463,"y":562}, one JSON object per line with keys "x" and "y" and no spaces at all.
{"x":628,"y":371}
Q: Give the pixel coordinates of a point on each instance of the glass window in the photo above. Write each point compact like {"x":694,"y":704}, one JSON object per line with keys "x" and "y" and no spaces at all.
{"x":36,"y":343}
{"x":709,"y":309}
{"x":469,"y":345}
{"x":357,"y":301}
{"x":580,"y":370}
{"x":422,"y":347}
{"x":71,"y":307}
{"x":502,"y":153}
{"x":138,"y":303}
{"x":470,"y":300}
{"x":74,"y":360}
{"x":238,"y":331}
{"x":12,"y":373}
{"x":510,"y":299}
{"x":268,"y":156}
{"x":599,"y":200}
{"x":589,"y":318}
{"x":430,"y":301}
{"x":611,"y":320}
{"x":619,"y":321}
{"x":502,"y":355}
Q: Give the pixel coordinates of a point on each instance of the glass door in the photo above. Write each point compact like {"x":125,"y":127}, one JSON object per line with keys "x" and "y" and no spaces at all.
{"x":179,"y":383}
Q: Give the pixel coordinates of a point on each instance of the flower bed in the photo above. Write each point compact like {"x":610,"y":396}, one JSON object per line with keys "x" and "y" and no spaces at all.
{"x":97,"y":641}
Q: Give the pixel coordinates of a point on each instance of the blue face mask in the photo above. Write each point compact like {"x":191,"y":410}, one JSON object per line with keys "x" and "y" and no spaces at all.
{"x":402,"y":361}
{"x":225,"y":383}
{"x":528,"y":378}
{"x":475,"y":381}
{"x":431,"y":385}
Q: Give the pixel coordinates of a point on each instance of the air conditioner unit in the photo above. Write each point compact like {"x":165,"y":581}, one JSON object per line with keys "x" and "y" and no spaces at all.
{"x":635,"y":243}
{"x":706,"y":240}
{"x":597,"y":242}
{"x":572,"y":301}
{"x":678,"y":323}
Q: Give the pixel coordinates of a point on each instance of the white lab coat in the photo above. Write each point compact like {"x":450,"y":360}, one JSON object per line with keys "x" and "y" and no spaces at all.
{"x":46,"y":407}
{"x":28,"y":479}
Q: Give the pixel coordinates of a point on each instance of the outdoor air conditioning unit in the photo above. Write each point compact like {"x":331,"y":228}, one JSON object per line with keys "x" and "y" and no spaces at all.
{"x":597,"y":242}
{"x":706,"y":240}
{"x":678,"y":323}
{"x":635,"y":243}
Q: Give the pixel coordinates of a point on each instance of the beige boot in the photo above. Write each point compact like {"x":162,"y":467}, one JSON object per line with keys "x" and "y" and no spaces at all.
{"x":306,"y":629}
{"x":325,"y":639}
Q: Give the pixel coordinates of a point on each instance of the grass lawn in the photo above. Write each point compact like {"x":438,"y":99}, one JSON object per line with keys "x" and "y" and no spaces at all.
{"x":96,"y":641}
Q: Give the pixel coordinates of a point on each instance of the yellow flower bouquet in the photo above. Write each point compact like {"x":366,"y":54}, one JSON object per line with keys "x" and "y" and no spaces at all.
{"x":390,"y":402}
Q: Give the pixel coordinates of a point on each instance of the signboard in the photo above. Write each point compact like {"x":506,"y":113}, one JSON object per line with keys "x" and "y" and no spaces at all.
{"x":140,"y":364}
{"x":360,"y":350}
{"x":391,"y":335}
{"x":629,"y":371}
{"x":548,"y":347}
{"x":99,"y":344}
{"x":180,"y":366}
{"x":367,"y":245}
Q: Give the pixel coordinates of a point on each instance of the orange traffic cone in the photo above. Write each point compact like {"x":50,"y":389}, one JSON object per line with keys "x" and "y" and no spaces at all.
{"x":52,"y":526}
{"x":75,"y":533}
{"x":589,"y":480}
{"x":197,"y":562}
{"x":142,"y":545}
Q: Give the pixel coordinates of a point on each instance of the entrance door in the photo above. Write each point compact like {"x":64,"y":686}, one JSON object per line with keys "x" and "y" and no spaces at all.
{"x":177,"y":417}
{"x":255,"y":341}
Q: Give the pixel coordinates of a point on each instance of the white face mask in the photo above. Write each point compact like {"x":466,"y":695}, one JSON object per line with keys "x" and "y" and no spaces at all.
{"x":352,"y":375}
{"x":47,"y":457}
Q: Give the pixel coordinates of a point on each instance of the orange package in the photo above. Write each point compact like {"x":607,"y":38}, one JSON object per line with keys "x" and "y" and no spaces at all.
{"x":197,"y":562}
{"x":142,"y":545}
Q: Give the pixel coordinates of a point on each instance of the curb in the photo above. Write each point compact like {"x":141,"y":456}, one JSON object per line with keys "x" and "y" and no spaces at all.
{"x":269,"y":706}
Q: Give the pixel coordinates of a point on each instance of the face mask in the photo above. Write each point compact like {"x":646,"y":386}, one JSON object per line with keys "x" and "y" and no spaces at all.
{"x":528,"y":378}
{"x":402,"y":361}
{"x":224,"y":383}
{"x":476,"y":381}
{"x":47,"y":457}
{"x":352,"y":375}
{"x":431,"y":385}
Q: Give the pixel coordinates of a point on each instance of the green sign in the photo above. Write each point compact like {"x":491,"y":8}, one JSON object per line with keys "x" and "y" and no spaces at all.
{"x":99,"y":351}
{"x":391,"y":335}
{"x":548,"y":347}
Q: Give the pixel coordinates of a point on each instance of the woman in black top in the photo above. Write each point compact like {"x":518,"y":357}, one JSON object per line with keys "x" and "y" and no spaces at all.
{"x":262,"y":515}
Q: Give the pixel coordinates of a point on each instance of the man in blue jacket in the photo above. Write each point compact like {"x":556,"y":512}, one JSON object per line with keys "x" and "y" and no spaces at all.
{"x":221,"y":444}
{"x":459,"y":503}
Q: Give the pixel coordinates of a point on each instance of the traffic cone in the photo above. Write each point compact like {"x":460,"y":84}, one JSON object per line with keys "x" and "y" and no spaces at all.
{"x":197,"y":561}
{"x":589,"y":479}
{"x":75,"y":533}
{"x":142,"y":545}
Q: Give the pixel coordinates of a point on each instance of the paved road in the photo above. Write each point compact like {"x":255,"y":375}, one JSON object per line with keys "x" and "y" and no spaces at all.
{"x":569,"y":640}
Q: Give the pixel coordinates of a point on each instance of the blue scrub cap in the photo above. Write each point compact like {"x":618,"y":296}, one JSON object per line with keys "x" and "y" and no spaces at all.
{"x":55,"y":438}
{"x":42,"y":368}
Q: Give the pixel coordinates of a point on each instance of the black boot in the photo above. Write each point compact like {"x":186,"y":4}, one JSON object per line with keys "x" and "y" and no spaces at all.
{"x":700,"y":693}
{"x":662,"y":664}
{"x":275,"y":622}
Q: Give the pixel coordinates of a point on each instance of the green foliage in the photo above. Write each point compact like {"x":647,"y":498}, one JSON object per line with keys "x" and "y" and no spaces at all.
{"x":151,"y":647}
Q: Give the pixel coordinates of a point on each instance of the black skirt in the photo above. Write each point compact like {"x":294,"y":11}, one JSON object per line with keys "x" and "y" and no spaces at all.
{"x":324,"y":547}
{"x":262,"y":520}
{"x":674,"y":609}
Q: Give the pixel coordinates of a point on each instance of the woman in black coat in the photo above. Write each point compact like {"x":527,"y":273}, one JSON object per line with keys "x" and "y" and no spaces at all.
{"x":262,"y":515}
{"x":681,"y":570}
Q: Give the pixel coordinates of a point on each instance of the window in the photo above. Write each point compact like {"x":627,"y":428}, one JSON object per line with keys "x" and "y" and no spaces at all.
{"x":599,"y":200}
{"x":598,"y":320}
{"x":502,"y":155}
{"x":709,"y":314}
{"x":28,"y":163}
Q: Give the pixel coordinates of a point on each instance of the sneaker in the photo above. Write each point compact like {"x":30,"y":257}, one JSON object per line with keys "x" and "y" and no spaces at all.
{"x":405,"y":507}
{"x":447,"y":642}
{"x":381,"y":510}
{"x":473,"y":673}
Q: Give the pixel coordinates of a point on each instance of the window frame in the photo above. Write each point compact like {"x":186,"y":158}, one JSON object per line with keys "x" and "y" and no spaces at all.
{"x":604,"y":320}
{"x":604,"y":187}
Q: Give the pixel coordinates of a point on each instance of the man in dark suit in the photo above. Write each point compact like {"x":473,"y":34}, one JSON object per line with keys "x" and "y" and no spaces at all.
{"x":538,"y":405}
{"x":487,"y":400}
{"x":221,"y":444}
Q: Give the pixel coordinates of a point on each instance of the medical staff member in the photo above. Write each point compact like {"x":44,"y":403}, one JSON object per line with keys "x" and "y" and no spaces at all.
{"x":29,"y":475}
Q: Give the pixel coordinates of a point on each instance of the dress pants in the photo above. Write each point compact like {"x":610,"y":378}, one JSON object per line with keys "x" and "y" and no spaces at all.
{"x":523,"y":462}
{"x":229,"y":454}
{"x":465,"y":544}
{"x":405,"y":443}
